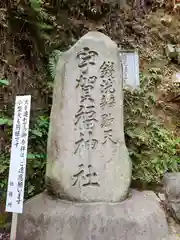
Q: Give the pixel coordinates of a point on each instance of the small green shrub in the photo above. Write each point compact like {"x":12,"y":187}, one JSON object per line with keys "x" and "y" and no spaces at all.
{"x":151,"y":146}
{"x":36,"y":157}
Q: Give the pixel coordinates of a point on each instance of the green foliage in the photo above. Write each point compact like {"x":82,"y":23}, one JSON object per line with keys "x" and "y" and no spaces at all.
{"x":53,"y":59}
{"x":4,"y":82}
{"x":152,"y":147}
{"x":6,"y":121}
{"x":36,"y":158}
{"x":34,"y":24}
{"x":36,"y":5}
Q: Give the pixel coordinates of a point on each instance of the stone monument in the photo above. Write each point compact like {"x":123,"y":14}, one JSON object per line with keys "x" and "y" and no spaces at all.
{"x":88,"y":167}
{"x":87,"y":156}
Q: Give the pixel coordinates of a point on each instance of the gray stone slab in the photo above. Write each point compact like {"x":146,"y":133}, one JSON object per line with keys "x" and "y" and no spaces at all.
{"x":172,"y":193}
{"x":140,"y":217}
{"x":87,"y":156}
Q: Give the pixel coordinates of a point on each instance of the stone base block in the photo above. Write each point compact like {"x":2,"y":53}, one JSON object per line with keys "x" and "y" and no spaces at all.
{"x":139,"y":217}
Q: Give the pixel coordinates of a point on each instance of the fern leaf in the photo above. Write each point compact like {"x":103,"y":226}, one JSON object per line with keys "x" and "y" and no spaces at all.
{"x":36,"y":5}
{"x":44,"y":26}
{"x":53,"y":60}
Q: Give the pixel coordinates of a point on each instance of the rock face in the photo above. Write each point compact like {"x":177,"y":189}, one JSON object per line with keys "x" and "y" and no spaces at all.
{"x":172,"y":193}
{"x":87,"y":156}
{"x":137,"y":218}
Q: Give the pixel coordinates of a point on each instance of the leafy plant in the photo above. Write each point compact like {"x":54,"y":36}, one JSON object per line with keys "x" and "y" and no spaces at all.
{"x":4,"y":82}
{"x":33,"y":22}
{"x":6,"y":121}
{"x":53,"y":60}
{"x":36,"y":157}
{"x":152,"y":148}
{"x":36,"y":5}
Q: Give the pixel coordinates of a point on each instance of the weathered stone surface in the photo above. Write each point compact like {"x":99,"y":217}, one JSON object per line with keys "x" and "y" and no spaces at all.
{"x":172,"y":193}
{"x":139,"y":217}
{"x":87,"y":156}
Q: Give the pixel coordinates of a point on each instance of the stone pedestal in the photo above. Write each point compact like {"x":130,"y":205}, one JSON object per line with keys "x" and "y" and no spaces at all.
{"x":139,"y":217}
